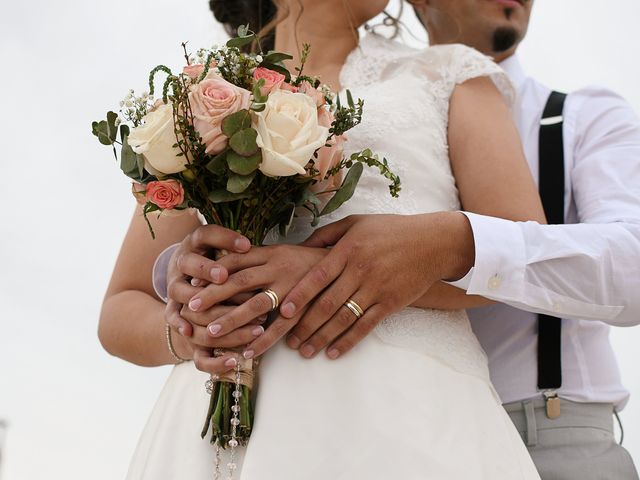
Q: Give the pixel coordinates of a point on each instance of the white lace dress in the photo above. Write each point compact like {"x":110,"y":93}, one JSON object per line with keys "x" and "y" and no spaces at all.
{"x":414,"y":399}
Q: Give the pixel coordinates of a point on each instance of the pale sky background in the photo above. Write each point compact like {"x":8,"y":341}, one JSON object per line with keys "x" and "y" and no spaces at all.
{"x":73,"y":411}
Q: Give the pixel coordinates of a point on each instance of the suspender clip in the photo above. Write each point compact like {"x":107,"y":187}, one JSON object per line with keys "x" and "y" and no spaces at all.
{"x":552,"y":403}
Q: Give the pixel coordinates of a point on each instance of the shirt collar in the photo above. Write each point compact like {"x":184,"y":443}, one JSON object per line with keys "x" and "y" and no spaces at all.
{"x":514,"y":70}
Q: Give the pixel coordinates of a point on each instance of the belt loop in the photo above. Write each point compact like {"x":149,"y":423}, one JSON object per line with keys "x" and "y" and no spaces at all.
{"x":532,"y":427}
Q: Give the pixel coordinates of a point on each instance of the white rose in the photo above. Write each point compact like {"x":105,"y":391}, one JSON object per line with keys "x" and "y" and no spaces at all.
{"x":155,"y":140}
{"x":288,"y":133}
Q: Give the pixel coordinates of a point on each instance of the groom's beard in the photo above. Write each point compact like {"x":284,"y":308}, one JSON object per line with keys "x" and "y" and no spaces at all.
{"x":504,"y":38}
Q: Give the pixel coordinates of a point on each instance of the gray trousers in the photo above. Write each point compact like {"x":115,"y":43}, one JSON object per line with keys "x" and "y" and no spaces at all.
{"x":578,"y":445}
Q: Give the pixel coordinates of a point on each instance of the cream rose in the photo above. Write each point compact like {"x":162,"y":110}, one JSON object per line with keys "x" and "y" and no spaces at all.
{"x":288,"y":133}
{"x":155,"y":140}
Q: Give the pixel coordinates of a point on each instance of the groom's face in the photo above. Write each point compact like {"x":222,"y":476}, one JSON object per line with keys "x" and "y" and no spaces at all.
{"x":494,"y":27}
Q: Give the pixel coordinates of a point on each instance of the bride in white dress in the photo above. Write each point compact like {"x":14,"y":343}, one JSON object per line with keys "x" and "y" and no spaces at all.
{"x":414,"y":399}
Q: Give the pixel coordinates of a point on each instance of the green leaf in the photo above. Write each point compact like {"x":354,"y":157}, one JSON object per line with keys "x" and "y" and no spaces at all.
{"x":124,"y":132}
{"x":131,"y":163}
{"x":346,"y":190}
{"x":310,"y":197}
{"x":239,"y":183}
{"x":236,"y":122}
{"x":243,"y":165}
{"x":277,"y":57}
{"x":244,"y":142}
{"x":243,"y":30}
{"x":350,"y":99}
{"x":224,"y":196}
{"x":111,"y":125}
{"x":279,"y":69}
{"x":258,"y":108}
{"x":218,"y":166}
{"x":257,"y":92}
{"x":289,"y":214}
{"x":240,"y":42}
{"x":101,"y":130}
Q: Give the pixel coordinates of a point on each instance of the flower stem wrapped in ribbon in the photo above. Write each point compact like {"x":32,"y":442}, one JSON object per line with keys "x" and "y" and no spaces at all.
{"x":247,"y":143}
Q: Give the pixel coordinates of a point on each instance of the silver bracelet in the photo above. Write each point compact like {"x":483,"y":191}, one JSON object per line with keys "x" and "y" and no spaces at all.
{"x":172,"y":350}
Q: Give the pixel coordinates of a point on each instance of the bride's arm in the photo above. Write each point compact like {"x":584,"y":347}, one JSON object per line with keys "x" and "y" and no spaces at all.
{"x":132,"y":318}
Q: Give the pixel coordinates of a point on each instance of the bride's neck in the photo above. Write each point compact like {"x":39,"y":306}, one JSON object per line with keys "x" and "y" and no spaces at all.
{"x":327,"y":27}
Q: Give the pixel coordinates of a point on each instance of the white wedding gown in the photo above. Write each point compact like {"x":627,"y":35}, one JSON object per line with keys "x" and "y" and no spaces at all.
{"x":411,"y":401}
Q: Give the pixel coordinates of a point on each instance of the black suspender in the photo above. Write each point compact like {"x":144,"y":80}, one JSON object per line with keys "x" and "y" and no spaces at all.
{"x":551,"y":187}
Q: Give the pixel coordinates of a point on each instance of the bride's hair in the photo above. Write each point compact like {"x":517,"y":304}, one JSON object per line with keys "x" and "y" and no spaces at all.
{"x":260,"y":15}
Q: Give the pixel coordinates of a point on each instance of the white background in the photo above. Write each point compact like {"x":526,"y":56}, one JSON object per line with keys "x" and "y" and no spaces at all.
{"x":73,"y":411}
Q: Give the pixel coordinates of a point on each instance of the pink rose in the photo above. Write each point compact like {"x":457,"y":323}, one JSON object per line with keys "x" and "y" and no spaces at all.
{"x":212,"y":100}
{"x":328,"y":156}
{"x":139,"y":191}
{"x":194,"y":71}
{"x":314,"y":93}
{"x":272,"y":80}
{"x":166,"y":194}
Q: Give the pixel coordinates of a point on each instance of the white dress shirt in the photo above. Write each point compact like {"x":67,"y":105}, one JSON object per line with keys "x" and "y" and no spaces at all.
{"x":587,"y":272}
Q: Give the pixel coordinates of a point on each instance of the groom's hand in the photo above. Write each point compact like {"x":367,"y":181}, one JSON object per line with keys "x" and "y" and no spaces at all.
{"x":383,"y":263}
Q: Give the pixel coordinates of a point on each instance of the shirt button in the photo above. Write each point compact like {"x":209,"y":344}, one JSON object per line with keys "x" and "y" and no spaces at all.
{"x":494,"y":283}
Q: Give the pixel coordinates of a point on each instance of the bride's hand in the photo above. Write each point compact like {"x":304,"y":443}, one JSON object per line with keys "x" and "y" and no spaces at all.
{"x":189,"y":261}
{"x":384,"y":263}
{"x":277,"y":267}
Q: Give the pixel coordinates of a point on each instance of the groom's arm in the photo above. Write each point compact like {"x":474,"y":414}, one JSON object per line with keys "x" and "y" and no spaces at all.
{"x":589,"y":270}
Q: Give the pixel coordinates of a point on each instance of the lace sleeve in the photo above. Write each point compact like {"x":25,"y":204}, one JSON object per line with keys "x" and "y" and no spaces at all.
{"x":455,"y":64}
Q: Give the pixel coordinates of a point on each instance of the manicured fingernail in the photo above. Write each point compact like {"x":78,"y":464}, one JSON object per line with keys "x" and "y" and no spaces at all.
{"x":307,"y":351}
{"x":333,"y":354}
{"x":288,"y":309}
{"x":262,"y":318}
{"x":232,"y":362}
{"x":248,"y":354}
{"x":181,"y":331}
{"x":195,"y":304}
{"x":257,"y":331}
{"x":195,"y":282}
{"x":242,"y":244}
{"x":215,"y":329}
{"x":293,"y":342}
{"x":215,"y":274}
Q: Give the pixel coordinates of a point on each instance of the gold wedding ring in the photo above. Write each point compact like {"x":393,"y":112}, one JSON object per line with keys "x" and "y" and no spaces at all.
{"x":354,"y":307}
{"x":273,"y":296}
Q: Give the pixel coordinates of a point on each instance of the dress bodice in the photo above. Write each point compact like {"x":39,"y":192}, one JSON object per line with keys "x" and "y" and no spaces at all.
{"x":406,"y":95}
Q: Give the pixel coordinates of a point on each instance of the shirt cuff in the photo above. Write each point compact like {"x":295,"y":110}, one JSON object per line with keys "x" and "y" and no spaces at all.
{"x":159,"y":272}
{"x":500,"y":263}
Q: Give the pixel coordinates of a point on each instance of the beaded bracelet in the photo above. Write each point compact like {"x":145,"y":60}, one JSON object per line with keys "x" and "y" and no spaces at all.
{"x":172,"y":350}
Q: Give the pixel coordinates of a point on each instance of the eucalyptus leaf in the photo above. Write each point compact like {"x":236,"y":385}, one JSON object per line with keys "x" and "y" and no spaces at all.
{"x":310,"y":197}
{"x":130,"y":161}
{"x":240,"y":42}
{"x":111,"y":125}
{"x":101,"y":130}
{"x":218,"y":166}
{"x":277,"y":57}
{"x":258,"y":97}
{"x":239,"y":183}
{"x":236,"y":122}
{"x":124,"y":131}
{"x":244,"y":142}
{"x":258,"y":108}
{"x":243,"y":165}
{"x":223,"y":196}
{"x":346,"y":190}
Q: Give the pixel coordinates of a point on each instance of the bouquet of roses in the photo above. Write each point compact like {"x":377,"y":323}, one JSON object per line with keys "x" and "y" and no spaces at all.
{"x":248,"y":144}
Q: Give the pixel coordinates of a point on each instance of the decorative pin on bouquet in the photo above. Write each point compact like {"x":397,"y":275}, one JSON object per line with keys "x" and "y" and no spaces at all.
{"x":239,"y":138}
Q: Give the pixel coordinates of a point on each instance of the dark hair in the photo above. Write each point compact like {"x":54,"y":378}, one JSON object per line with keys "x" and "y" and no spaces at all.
{"x":258,"y":14}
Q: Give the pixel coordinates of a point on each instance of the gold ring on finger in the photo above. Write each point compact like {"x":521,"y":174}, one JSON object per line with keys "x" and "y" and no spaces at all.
{"x":273,"y":296}
{"x":354,"y":307}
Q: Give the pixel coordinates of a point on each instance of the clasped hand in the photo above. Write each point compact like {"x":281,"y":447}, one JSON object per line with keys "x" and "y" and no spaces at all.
{"x":382,"y":262}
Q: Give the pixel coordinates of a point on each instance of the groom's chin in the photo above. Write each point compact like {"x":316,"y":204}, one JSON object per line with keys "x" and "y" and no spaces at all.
{"x":504,"y":39}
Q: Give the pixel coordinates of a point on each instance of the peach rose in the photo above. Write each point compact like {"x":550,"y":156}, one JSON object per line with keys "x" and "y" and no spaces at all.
{"x":166,"y":194}
{"x":316,"y":96}
{"x":272,"y":80}
{"x":194,"y":71}
{"x":288,"y":88}
{"x":212,"y":100}
{"x":328,"y":156}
